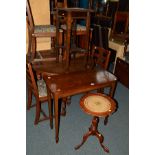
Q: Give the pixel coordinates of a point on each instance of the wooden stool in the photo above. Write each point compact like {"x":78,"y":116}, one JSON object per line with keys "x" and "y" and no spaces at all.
{"x":98,"y":105}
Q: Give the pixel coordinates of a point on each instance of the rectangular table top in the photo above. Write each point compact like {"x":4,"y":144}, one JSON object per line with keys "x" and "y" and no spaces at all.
{"x":78,"y":82}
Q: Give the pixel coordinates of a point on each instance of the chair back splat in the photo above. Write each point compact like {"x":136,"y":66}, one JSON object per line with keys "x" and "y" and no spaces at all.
{"x":30,"y":20}
{"x":100,"y":57}
{"x":31,"y":79}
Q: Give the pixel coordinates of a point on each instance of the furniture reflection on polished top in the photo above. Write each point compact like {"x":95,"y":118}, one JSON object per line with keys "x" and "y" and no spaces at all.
{"x":99,"y":58}
{"x":59,"y":68}
{"x":69,"y":15}
{"x":68,"y":84}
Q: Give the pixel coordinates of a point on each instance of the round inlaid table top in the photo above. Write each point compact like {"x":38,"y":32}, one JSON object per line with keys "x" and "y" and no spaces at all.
{"x":97,"y":104}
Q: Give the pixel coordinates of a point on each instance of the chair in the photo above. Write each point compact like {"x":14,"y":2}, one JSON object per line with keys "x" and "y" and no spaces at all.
{"x":100,"y":57}
{"x":39,"y":31}
{"x":100,"y":36}
{"x":38,"y":89}
{"x":61,"y":3}
{"x":76,"y":30}
{"x":96,"y":105}
{"x":121,"y":23}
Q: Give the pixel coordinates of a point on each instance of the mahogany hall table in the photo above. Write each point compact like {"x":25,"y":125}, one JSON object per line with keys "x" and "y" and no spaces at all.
{"x":73,"y":83}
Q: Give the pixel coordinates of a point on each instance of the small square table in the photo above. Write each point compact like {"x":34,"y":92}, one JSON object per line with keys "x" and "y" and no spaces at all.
{"x":68,"y":84}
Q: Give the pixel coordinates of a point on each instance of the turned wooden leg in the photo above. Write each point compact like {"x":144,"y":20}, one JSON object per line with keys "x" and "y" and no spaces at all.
{"x":68,"y":100}
{"x":52,"y":44}
{"x":63,"y":106}
{"x":33,"y":48}
{"x":101,"y":90}
{"x":29,"y":99}
{"x":30,"y":45}
{"x":38,"y":110}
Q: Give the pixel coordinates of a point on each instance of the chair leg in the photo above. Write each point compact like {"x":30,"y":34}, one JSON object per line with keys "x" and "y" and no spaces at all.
{"x":101,"y":90}
{"x":33,"y":48}
{"x":63,"y":106}
{"x":38,"y":110}
{"x":68,"y":102}
{"x":29,"y":45}
{"x":29,"y":99}
{"x":52,"y":44}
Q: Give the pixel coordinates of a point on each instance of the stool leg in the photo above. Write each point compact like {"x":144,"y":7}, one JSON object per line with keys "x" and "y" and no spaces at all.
{"x":85,"y":137}
{"x":63,"y":106}
{"x":91,"y":131}
{"x":101,"y":138}
{"x":33,"y":48}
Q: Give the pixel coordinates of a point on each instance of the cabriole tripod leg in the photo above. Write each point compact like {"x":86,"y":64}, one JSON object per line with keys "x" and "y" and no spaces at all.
{"x":85,"y":137}
{"x":101,"y":138}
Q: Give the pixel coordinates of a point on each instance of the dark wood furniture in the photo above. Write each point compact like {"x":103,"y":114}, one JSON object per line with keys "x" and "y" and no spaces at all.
{"x":70,"y":14}
{"x":100,"y":36}
{"x":37,"y":31}
{"x":105,"y":12}
{"x":39,"y":91}
{"x":96,"y":105}
{"x":121,"y":24}
{"x":122,"y":71}
{"x":100,"y":57}
{"x":69,"y":84}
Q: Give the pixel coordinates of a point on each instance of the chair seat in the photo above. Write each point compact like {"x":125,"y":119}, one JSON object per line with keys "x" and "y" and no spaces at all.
{"x":42,"y":88}
{"x":103,"y":76}
{"x":45,"y":28}
{"x":78,"y":27}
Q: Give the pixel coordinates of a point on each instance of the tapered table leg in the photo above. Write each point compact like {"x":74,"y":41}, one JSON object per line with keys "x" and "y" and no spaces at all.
{"x":50,"y":107}
{"x":56,"y":112}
